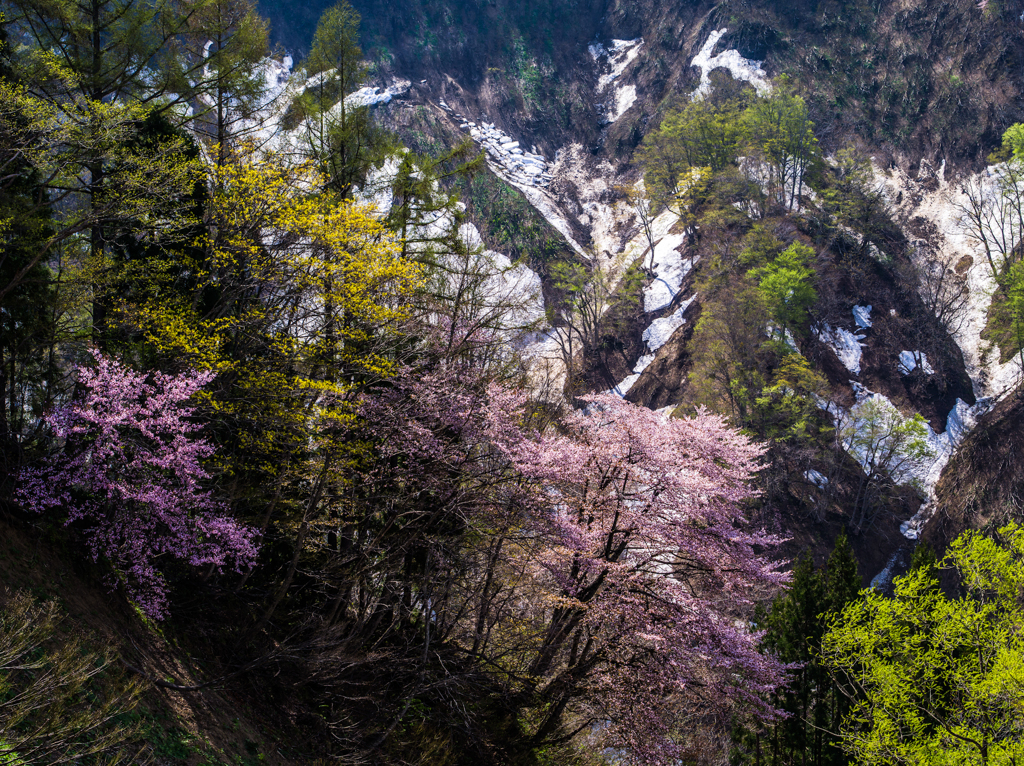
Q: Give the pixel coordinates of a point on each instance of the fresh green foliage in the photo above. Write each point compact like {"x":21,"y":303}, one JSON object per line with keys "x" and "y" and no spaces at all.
{"x":703,"y":137}
{"x":515,"y":228}
{"x":1005,"y":326}
{"x":935,"y":678}
{"x":1013,"y":140}
{"x":697,"y":135}
{"x":780,"y":145}
{"x":888,"y":446}
{"x":787,"y":409}
{"x":760,"y":246}
{"x":729,"y":369}
{"x":786,"y":286}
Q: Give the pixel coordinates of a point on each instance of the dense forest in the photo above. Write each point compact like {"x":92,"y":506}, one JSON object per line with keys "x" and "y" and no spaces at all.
{"x":328,"y":436}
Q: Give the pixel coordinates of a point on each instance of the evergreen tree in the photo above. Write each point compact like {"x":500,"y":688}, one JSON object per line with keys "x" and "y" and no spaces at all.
{"x":27,"y":318}
{"x":229,"y":39}
{"x":89,"y":61}
{"x":795,"y":625}
{"x":340,"y":137}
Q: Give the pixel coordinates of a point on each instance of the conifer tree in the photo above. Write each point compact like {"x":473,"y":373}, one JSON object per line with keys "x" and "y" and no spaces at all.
{"x":89,"y":62}
{"x":27,"y":319}
{"x":796,"y":624}
{"x":225,"y":44}
{"x":340,"y":137}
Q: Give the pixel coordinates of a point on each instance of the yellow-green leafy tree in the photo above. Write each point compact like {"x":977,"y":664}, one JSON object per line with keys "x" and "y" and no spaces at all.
{"x":297,"y":304}
{"x":936,"y":678}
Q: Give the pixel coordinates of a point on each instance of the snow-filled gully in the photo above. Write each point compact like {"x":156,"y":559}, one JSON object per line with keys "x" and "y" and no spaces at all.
{"x":530,"y":172}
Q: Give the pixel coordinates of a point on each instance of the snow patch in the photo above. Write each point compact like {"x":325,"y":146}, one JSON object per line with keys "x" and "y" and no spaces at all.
{"x":783,"y":335}
{"x":506,"y":158}
{"x":655,"y":336}
{"x":526,"y":171}
{"x":542,"y":355}
{"x":625,"y":384}
{"x":614,"y":59}
{"x":643,"y":363}
{"x":816,"y":478}
{"x":625,"y":97}
{"x":911,"y":360}
{"x":884,"y":578}
{"x":926,"y":472}
{"x":844,"y":343}
{"x":862,"y":316}
{"x":670,"y":271}
{"x":371,"y":96}
{"x":945,"y":249}
{"x":960,"y":421}
{"x":661,"y":330}
{"x":739,"y":67}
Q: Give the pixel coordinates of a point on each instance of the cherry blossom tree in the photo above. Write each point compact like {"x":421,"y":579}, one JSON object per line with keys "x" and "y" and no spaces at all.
{"x":648,"y":570}
{"x":129,"y":469}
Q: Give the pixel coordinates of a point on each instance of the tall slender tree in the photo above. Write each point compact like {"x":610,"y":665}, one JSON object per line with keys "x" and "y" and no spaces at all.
{"x":340,"y":135}
{"x":225,"y":44}
{"x":796,"y":624}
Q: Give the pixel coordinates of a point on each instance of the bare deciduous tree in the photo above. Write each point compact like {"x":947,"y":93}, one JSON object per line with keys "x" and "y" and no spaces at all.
{"x":990,"y":212}
{"x":945,"y":293}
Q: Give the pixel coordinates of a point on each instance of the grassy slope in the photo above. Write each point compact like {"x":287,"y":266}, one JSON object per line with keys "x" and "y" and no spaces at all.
{"x":220,"y":725}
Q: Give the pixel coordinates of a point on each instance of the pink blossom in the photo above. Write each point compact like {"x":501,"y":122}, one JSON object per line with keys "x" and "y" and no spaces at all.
{"x":651,"y":565}
{"x":130,"y":469}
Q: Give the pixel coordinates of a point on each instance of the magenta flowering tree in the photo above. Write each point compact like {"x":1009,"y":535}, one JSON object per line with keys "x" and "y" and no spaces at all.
{"x":649,"y":571}
{"x":130,"y":468}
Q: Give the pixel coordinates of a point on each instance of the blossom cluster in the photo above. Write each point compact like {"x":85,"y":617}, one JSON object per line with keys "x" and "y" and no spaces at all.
{"x":129,"y":470}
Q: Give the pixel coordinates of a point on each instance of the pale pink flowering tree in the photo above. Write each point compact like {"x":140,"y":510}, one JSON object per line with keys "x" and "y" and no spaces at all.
{"x":649,"y":571}
{"x":130,"y":469}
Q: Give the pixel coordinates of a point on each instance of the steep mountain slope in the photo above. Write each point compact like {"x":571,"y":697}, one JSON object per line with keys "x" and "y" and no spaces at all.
{"x":933,"y":80}
{"x":926,"y":89}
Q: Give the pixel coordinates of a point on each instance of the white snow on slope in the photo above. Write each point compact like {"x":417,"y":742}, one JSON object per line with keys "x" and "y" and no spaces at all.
{"x":862,"y":316}
{"x":517,"y":286}
{"x":670,"y":270}
{"x":546,"y":364}
{"x":619,"y":54}
{"x":936,"y":199}
{"x":739,"y":67}
{"x":527,"y":171}
{"x":844,"y":343}
{"x":911,"y":360}
{"x":548,"y":208}
{"x":503,"y":294}
{"x":911,"y":198}
{"x":960,"y":420}
{"x":371,"y":96}
{"x":661,"y":330}
{"x":816,"y":478}
{"x":655,"y":336}
{"x":504,"y":153}
{"x":623,"y":386}
{"x":627,"y":383}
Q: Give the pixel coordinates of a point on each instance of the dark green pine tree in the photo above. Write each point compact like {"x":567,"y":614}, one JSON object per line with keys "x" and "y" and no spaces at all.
{"x":795,"y":624}
{"x":842,"y":586}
